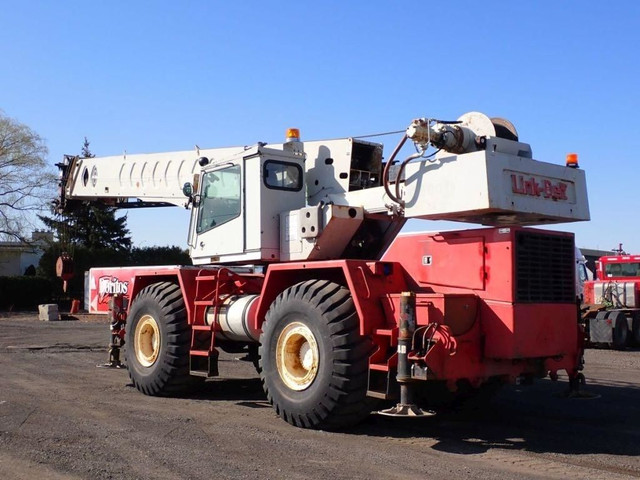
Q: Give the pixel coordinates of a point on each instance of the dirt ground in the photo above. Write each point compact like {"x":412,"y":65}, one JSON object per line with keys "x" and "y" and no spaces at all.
{"x":61,"y":417}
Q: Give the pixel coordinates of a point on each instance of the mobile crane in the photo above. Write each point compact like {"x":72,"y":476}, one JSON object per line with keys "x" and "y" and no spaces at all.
{"x":296,"y":257}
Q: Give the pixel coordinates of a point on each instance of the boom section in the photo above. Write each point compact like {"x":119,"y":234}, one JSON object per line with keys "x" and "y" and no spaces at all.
{"x":133,"y":180}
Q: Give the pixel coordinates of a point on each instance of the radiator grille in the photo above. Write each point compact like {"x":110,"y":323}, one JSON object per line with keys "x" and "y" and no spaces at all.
{"x":545,"y":268}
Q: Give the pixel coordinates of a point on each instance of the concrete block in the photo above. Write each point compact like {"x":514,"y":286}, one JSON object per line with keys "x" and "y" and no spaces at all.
{"x":48,"y":312}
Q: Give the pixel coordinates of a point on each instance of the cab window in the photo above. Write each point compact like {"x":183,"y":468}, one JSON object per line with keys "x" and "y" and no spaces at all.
{"x":582,"y":273}
{"x":631,"y":269}
{"x":282,"y":175}
{"x":220,"y":198}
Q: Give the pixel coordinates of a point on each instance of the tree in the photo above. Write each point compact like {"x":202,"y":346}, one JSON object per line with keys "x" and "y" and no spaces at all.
{"x":159,"y":256}
{"x":26,"y":181}
{"x":92,"y":225}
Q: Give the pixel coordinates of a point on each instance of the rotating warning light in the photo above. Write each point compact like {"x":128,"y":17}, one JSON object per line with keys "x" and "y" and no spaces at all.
{"x":293,"y":135}
{"x":572,"y":160}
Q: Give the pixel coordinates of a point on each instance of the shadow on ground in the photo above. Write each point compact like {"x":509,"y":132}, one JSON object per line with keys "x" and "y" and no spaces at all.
{"x":533,"y":418}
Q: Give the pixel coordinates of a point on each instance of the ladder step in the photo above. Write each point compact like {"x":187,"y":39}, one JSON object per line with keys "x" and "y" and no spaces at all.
{"x":202,"y":328}
{"x":199,"y":353}
{"x":203,"y":363}
{"x":379,"y":367}
{"x":207,"y":303}
{"x":380,"y":395}
{"x":382,"y":384}
{"x":388,"y":332}
{"x":206,"y":277}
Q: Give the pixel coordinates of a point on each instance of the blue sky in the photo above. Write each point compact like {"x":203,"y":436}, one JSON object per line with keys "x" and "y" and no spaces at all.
{"x":151,"y":76}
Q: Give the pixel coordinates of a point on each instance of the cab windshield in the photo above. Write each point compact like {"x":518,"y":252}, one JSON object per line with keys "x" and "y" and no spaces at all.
{"x":220,"y":198}
{"x":631,"y":269}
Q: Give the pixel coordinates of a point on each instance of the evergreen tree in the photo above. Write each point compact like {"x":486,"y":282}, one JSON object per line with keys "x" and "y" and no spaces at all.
{"x":91,"y":225}
{"x":86,"y":151}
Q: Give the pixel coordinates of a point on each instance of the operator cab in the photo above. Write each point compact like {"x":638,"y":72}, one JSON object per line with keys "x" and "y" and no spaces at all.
{"x":237,"y":201}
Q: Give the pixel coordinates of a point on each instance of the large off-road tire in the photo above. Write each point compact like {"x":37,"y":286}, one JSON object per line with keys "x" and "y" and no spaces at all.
{"x":313,"y":360}
{"x":620,"y":335}
{"x":635,"y":328}
{"x":158,"y":340}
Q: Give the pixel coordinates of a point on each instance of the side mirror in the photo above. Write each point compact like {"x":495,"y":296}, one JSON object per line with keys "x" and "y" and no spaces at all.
{"x":194,"y":199}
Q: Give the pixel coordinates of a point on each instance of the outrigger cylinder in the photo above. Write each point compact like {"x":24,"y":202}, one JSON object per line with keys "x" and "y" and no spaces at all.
{"x":407,"y":327}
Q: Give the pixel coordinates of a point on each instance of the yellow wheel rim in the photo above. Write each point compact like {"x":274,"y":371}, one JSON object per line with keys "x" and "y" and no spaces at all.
{"x":147,"y":340}
{"x":297,"y":357}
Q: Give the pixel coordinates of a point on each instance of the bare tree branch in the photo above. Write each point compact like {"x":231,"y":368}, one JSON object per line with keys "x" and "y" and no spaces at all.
{"x":26,"y":181}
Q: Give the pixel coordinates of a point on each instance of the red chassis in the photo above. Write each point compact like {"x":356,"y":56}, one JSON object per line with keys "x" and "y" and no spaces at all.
{"x":483,"y":307}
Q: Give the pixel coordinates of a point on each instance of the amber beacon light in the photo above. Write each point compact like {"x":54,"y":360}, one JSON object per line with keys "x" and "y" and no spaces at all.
{"x":572,"y":160}
{"x":293,"y":135}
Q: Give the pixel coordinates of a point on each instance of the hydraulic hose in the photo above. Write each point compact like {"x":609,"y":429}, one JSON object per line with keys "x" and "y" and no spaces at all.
{"x":401,"y":171}
{"x":385,"y":172}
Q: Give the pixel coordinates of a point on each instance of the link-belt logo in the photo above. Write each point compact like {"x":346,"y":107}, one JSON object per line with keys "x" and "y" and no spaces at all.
{"x":111,"y":286}
{"x":538,"y":188}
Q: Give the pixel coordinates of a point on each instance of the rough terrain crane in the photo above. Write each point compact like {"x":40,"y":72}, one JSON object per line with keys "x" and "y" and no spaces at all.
{"x":297,"y":258}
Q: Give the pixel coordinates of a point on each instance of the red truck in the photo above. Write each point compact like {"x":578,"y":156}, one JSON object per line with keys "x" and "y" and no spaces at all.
{"x":612,"y":302}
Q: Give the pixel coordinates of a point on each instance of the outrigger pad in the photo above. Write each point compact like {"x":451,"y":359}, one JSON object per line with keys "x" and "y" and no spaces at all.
{"x":402,"y":410}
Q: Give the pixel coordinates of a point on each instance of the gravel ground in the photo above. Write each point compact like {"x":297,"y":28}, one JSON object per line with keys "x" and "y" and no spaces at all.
{"x":62,"y":418}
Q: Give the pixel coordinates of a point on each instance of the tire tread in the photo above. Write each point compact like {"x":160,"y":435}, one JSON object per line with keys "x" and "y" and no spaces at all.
{"x":172,"y":377}
{"x":344,"y":403}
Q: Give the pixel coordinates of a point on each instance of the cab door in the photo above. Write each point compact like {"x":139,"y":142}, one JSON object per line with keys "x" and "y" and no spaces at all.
{"x":217,"y":226}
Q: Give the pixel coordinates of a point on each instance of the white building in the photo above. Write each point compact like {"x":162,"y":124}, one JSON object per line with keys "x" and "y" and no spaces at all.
{"x":17,"y":257}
